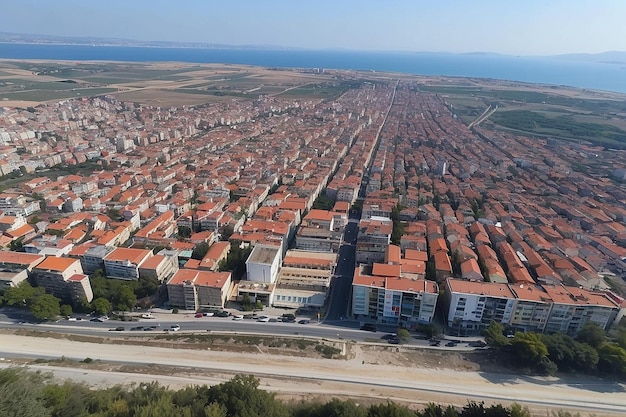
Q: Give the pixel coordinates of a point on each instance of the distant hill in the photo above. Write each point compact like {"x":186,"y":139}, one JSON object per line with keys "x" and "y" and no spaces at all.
{"x":610,"y":57}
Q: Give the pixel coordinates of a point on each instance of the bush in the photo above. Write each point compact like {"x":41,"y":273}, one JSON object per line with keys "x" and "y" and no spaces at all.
{"x":174,"y":311}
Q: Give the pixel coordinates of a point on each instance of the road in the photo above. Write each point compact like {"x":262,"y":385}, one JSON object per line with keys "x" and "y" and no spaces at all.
{"x":341,"y":291}
{"x":348,"y":377}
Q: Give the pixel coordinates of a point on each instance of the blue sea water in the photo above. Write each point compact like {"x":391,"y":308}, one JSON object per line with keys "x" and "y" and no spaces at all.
{"x":596,"y":76}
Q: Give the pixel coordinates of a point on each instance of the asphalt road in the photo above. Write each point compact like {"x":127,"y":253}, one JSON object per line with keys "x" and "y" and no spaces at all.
{"x":341,"y":289}
{"x":341,"y":329}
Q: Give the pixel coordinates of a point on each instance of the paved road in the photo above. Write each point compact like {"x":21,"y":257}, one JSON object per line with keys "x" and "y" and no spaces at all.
{"x":341,"y":291}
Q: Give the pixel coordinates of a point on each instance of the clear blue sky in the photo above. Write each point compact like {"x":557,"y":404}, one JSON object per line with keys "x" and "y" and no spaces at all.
{"x":520,"y":27}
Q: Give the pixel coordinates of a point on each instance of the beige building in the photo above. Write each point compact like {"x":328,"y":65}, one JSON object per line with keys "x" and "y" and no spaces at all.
{"x":304,"y":279}
{"x":193,"y":289}
{"x":64,"y":278}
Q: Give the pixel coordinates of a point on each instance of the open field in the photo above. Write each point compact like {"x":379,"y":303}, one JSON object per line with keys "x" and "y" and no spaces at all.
{"x":162,"y":84}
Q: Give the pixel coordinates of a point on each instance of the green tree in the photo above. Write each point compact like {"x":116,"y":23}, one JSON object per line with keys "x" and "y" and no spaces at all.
{"x":21,"y":295}
{"x":519,"y":411}
{"x":101,"y":306}
{"x":200,"y":250}
{"x":215,"y":410}
{"x":612,"y":359}
{"x":20,"y":394}
{"x":494,"y":335}
{"x":242,"y":398}
{"x":529,"y":349}
{"x":403,"y":335}
{"x":621,"y":338}
{"x":591,"y":334}
{"x":46,"y":306}
{"x":184,"y":232}
{"x":389,"y":410}
{"x":66,"y":310}
{"x":125,"y":299}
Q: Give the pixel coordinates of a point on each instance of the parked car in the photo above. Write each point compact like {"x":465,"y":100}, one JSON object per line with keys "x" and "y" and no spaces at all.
{"x":263,"y":319}
{"x":238,"y":317}
{"x":434,"y":342}
{"x":223,"y":314}
{"x":304,"y":321}
{"x":451,"y":343}
{"x":370,"y":327}
{"x":198,"y":315}
{"x":209,"y":314}
{"x":136,"y":328}
{"x":388,"y":336}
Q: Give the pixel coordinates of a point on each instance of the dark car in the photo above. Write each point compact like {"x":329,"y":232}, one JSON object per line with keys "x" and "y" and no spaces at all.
{"x":434,"y":342}
{"x":134,"y":329}
{"x":288,"y":318}
{"x":222,"y":314}
{"x":304,"y":321}
{"x":388,"y":336}
{"x":477,"y":343}
{"x":370,"y":327}
{"x":394,"y":340}
{"x":451,"y":343}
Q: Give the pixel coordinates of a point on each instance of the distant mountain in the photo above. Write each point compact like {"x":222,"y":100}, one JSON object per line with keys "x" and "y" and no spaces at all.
{"x":95,"y":41}
{"x":610,"y":57}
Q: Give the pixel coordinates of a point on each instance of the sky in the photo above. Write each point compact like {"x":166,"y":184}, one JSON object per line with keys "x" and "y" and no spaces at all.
{"x":517,"y":27}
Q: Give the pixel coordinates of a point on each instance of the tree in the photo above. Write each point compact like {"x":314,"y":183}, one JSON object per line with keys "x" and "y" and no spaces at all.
{"x":46,"y":306}
{"x":101,"y":306}
{"x":20,"y":394}
{"x":494,"y":335}
{"x":591,"y":334}
{"x":529,"y":349}
{"x":21,"y":294}
{"x":184,"y":232}
{"x":389,"y":410}
{"x":612,"y":359}
{"x":199,"y":251}
{"x":403,"y":335}
{"x":242,"y":397}
{"x":66,"y":310}
{"x":125,"y":299}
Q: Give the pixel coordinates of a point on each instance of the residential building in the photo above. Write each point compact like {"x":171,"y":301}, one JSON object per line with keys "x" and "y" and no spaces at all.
{"x":123,"y":263}
{"x":392,"y":299}
{"x":64,"y":278}
{"x":193,"y":289}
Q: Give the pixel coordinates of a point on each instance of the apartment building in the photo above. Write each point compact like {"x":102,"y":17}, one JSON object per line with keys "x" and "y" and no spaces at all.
{"x":123,"y":263}
{"x":64,"y":278}
{"x":472,"y":306}
{"x":93,"y":258}
{"x":392,"y":299}
{"x":15,"y":267}
{"x":304,"y":279}
{"x":193,"y":289}
{"x":374,"y":235}
{"x":159,"y":267}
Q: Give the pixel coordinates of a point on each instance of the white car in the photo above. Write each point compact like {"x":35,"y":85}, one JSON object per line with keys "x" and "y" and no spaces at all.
{"x":174,"y":328}
{"x":238,"y":317}
{"x":263,"y":319}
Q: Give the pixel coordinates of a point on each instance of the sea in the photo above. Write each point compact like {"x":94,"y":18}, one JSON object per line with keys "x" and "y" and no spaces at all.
{"x":554,"y":71}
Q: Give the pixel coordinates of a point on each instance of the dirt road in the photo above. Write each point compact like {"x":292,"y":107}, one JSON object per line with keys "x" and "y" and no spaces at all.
{"x":306,"y":377}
